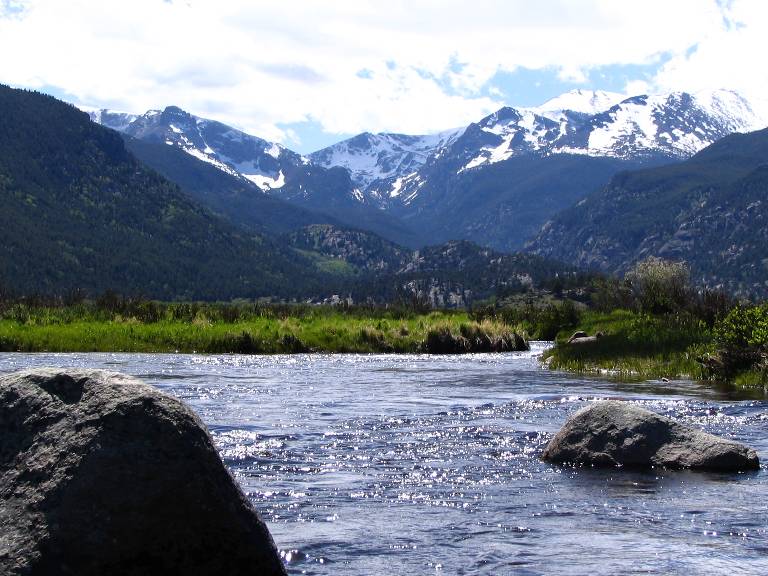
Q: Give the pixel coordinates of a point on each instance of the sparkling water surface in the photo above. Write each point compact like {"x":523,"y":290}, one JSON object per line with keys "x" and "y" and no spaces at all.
{"x":396,"y":464}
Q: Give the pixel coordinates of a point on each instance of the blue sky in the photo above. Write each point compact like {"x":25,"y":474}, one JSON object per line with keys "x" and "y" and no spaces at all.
{"x":307,"y":73}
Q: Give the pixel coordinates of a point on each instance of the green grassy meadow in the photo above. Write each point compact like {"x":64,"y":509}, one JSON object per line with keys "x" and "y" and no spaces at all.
{"x":638,"y":346}
{"x":635,"y":346}
{"x":247,"y":329}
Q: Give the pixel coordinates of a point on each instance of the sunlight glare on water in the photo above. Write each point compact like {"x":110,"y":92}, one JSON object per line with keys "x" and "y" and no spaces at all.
{"x":394,"y":464}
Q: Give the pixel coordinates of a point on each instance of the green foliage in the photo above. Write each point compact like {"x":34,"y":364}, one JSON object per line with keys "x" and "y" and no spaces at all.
{"x":742,"y":346}
{"x":636,"y":345}
{"x":744,"y":327}
{"x":611,"y":293}
{"x":542,"y":322}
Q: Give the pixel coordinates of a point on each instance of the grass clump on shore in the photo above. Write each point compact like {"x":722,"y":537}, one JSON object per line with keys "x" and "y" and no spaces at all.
{"x":670,"y":331}
{"x":146,"y":326}
{"x":635,"y":346}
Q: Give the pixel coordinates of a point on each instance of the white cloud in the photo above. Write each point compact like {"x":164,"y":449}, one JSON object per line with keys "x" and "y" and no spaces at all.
{"x":259,"y":65}
{"x":728,"y":56}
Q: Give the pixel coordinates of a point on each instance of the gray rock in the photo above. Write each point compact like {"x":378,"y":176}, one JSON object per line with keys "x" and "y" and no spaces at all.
{"x":577,"y":334}
{"x":616,"y":433}
{"x":577,"y":338}
{"x":103,"y":474}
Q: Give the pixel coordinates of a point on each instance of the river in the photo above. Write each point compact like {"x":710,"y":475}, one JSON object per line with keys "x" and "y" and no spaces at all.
{"x":396,"y":464}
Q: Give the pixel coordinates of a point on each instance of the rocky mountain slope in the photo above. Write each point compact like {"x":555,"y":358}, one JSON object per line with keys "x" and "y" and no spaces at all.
{"x":275,"y":170}
{"x":371,"y":158}
{"x":456,"y":273}
{"x":503,"y":177}
{"x":236,"y":199}
{"x":711,"y":211}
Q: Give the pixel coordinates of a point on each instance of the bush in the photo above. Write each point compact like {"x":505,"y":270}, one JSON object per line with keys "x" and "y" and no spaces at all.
{"x":744,"y":327}
{"x":660,"y":286}
{"x":541,"y":322}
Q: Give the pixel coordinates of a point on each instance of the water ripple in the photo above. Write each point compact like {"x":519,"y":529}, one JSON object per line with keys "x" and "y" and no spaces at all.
{"x":375,"y":464}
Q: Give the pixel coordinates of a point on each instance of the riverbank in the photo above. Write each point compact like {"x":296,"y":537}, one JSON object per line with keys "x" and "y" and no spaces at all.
{"x":636,"y":346}
{"x":248,"y":329}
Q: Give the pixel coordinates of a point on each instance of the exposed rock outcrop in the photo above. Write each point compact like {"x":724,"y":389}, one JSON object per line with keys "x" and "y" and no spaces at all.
{"x":103,"y":474}
{"x":617,"y":433}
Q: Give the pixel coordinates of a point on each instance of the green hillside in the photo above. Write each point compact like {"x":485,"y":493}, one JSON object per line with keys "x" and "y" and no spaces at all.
{"x":711,"y":211}
{"x":81,"y":212}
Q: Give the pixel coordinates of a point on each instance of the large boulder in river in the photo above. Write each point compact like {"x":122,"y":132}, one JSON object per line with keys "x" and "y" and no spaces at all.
{"x":616,"y":433}
{"x":103,"y":474}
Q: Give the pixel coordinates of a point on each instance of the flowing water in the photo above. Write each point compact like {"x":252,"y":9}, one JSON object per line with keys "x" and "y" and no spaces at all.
{"x":388,"y":464}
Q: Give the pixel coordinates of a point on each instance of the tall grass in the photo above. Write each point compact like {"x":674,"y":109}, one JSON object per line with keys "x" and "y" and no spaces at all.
{"x":636,"y":345}
{"x":155,"y":327}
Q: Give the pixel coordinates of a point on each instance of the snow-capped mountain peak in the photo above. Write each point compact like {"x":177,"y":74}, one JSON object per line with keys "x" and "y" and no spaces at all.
{"x":230,"y":150}
{"x":374,"y":157}
{"x":673,"y":125}
{"x":584,"y":101}
{"x":388,"y":169}
{"x":110,"y":118}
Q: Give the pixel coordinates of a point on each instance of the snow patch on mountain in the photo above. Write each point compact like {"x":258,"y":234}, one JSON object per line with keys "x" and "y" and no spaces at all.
{"x":110,"y":118}
{"x":230,"y":150}
{"x":412,"y":182}
{"x":209,"y":158}
{"x":265,"y":182}
{"x":391,"y":169}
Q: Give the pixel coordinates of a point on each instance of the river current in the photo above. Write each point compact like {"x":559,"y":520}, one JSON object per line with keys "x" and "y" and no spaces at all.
{"x":395,"y":464}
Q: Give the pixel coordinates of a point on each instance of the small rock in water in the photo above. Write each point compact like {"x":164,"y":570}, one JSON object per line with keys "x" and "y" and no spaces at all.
{"x":103,"y":474}
{"x":614,"y":433}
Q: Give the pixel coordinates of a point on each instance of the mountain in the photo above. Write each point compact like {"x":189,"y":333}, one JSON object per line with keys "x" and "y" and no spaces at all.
{"x":711,"y":211}
{"x":236,"y":199}
{"x":81,"y":212}
{"x":501,"y":179}
{"x":674,"y":125}
{"x":261,"y":162}
{"x":495,"y":182}
{"x":111,"y":119}
{"x":363,"y":252}
{"x":277,"y":171}
{"x":373,"y":157}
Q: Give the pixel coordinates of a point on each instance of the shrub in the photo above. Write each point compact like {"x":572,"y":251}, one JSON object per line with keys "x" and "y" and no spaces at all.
{"x":660,"y":286}
{"x":744,"y":327}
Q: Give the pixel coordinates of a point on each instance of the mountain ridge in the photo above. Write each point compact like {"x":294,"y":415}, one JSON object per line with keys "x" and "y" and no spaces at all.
{"x":710,"y":211}
{"x":483,"y":182}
